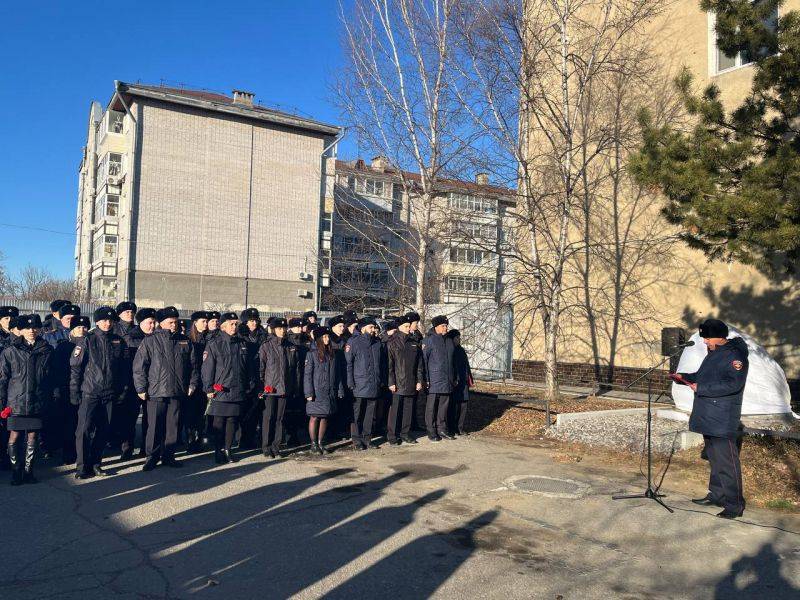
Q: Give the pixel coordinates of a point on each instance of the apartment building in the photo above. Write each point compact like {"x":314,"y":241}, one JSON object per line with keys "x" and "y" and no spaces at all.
{"x":184,"y":196}
{"x":370,"y":243}
{"x":691,"y":288}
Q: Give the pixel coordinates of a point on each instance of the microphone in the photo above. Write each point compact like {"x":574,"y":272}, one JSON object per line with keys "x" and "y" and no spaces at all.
{"x":685,"y":345}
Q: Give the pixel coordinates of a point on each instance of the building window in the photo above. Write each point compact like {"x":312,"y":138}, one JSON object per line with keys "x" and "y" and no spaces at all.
{"x":361,"y":277}
{"x":109,"y":166}
{"x":374,"y":187}
{"x":721,"y":61}
{"x":351,"y":182}
{"x":104,"y":244}
{"x":467,"y":256}
{"x":475,"y":231}
{"x":106,"y":206}
{"x":326,"y":221}
{"x":467,"y":203}
{"x":478,"y":286}
{"x":115,"y":121}
{"x":354,"y":245}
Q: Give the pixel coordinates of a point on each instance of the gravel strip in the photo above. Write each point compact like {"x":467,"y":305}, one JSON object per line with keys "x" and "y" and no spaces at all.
{"x":620,"y":431}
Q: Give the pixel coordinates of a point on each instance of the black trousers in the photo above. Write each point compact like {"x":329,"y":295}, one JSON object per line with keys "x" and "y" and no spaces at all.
{"x":458,"y":410}
{"x":272,"y":422}
{"x":52,"y":434}
{"x":725,"y":482}
{"x":94,"y":418}
{"x":436,"y":413}
{"x":69,"y":427}
{"x":123,"y":420}
{"x":405,"y":406}
{"x":223,"y":429}
{"x":193,"y":415}
{"x":363,"y":419}
{"x":248,"y":423}
{"x":163,"y":415}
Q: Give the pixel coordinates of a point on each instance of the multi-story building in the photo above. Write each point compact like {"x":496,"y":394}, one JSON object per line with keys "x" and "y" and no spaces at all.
{"x":693,"y":287}
{"x":200,"y":199}
{"x":371,"y":249}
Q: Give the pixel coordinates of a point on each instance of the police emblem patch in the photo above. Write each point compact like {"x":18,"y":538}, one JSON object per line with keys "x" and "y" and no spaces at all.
{"x":738,"y":365}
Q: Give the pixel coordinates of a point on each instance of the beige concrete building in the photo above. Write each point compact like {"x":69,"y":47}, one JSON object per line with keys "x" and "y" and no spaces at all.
{"x":369,"y":254}
{"x":185,"y":197}
{"x":692,"y":288}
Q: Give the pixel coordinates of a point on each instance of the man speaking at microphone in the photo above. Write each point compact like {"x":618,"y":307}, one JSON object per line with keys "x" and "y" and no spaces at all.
{"x":718,"y":388}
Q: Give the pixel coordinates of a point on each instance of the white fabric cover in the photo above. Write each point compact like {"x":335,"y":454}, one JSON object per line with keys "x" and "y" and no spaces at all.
{"x":766,"y":391}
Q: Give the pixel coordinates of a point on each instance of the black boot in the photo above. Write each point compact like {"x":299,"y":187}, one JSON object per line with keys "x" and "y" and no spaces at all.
{"x":16,"y":464}
{"x":229,"y":457}
{"x":314,"y":449}
{"x":219,"y":457}
{"x":30,"y":454}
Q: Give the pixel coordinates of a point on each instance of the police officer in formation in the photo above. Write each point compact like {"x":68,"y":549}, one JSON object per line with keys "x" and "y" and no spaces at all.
{"x":25,"y":394}
{"x":165,"y":371}
{"x":229,"y":376}
{"x":64,"y":413}
{"x":7,"y":335}
{"x":366,"y":377}
{"x":278,"y":367}
{"x":718,"y":387}
{"x":437,"y":351}
{"x":97,"y":382}
{"x":406,"y":378}
{"x":133,"y":404}
{"x":323,"y":385}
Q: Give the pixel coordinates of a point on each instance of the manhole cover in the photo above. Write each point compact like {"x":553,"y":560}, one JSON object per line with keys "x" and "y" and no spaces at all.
{"x":547,"y":486}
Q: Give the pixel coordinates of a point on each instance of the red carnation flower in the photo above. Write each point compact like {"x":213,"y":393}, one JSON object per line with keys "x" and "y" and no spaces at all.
{"x":218,"y":388}
{"x":5,"y":413}
{"x":269,"y":389}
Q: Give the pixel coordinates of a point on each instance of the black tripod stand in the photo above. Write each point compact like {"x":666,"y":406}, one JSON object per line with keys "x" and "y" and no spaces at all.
{"x":650,"y":492}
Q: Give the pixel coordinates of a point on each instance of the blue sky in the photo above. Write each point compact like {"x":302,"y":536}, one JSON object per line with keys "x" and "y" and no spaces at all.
{"x":57,"y":57}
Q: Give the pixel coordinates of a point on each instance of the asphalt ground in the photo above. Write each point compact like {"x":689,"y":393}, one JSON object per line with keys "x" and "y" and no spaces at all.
{"x":436,"y":519}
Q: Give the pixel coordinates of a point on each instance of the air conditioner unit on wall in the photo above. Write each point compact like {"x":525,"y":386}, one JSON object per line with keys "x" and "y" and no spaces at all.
{"x":303,"y":293}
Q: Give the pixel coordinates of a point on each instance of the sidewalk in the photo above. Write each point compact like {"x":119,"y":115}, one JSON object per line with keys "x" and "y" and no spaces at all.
{"x":448,"y":519}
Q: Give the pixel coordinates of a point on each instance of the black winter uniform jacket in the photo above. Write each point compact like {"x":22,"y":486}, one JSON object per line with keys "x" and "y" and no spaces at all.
{"x":278,"y":363}
{"x":406,"y":367}
{"x":366,"y":365}
{"x":301,"y":341}
{"x":165,"y":365}
{"x":438,"y":353}
{"x":25,"y":378}
{"x":720,"y":383}
{"x":228,"y":362}
{"x":97,"y":366}
{"x":60,"y":367}
{"x":324,"y":382}
{"x":123,"y":328}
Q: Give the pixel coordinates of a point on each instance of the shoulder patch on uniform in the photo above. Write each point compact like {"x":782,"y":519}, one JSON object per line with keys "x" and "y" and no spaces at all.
{"x":77,"y":351}
{"x":347,"y":347}
{"x":738,"y":365}
{"x":205,"y":355}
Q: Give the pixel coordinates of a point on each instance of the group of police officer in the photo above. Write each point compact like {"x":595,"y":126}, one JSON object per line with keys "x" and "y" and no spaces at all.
{"x":68,"y":387}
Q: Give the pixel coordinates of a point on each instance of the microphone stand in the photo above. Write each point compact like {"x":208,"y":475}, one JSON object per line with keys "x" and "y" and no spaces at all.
{"x":650,"y":492}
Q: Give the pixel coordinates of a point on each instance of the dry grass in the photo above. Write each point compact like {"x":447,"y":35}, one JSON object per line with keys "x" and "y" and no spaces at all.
{"x":770,"y":468}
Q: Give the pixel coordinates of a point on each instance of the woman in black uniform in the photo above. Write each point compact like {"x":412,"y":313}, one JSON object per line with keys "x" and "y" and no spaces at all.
{"x":194,"y":413}
{"x":25,"y":392}
{"x":323,"y":386}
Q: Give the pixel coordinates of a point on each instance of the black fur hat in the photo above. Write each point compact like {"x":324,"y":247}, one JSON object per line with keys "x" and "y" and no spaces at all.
{"x":318,"y":332}
{"x":9,"y":311}
{"x":278,"y":322}
{"x":334,"y":321}
{"x":56,"y":305}
{"x":168,"y":312}
{"x":199,"y":314}
{"x":145,"y":313}
{"x":123,"y":306}
{"x":80,"y":322}
{"x":103,"y":313}
{"x":297,"y":322}
{"x":413,"y":317}
{"x":29,"y":322}
{"x":228,"y":316}
{"x":439,"y":320}
{"x":213,"y":314}
{"x":713,"y":328}
{"x":250,"y":314}
{"x":69,"y":309}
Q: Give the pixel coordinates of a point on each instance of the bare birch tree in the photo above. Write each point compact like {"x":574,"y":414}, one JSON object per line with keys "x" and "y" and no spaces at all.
{"x":529,"y":75}
{"x":397,"y":97}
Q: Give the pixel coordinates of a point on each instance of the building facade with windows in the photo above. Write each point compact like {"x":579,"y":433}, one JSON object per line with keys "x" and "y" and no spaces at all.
{"x":370,"y":240}
{"x":185,"y":196}
{"x":695,"y":288}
